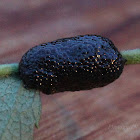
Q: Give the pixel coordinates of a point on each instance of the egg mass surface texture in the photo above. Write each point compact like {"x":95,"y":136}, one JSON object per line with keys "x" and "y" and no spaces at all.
{"x":71,"y":64}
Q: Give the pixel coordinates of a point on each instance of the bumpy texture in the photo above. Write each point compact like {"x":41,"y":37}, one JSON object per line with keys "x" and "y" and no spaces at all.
{"x":71,"y":64}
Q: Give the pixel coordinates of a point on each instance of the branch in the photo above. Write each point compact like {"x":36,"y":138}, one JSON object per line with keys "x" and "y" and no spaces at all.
{"x":132,"y":57}
{"x":8,"y":69}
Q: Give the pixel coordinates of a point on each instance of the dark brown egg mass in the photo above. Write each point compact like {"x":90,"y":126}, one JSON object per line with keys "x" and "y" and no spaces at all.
{"x":71,"y":64}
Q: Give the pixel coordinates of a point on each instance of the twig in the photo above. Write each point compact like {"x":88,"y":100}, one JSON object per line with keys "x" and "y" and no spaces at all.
{"x":132,"y":57}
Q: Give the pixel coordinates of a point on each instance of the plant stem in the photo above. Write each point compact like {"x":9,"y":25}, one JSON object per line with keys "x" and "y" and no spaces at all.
{"x":8,"y":69}
{"x":132,"y":56}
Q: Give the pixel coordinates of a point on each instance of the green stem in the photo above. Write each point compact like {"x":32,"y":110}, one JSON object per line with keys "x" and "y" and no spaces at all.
{"x":132,"y":56}
{"x":8,"y":69}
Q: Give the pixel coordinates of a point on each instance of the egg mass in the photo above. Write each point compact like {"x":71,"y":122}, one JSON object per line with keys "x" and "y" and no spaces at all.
{"x":71,"y":64}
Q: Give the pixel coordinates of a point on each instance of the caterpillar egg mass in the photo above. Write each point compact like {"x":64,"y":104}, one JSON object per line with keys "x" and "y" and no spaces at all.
{"x":71,"y":64}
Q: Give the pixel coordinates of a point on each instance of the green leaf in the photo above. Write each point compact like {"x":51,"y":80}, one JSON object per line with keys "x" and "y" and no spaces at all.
{"x":20,"y":109}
